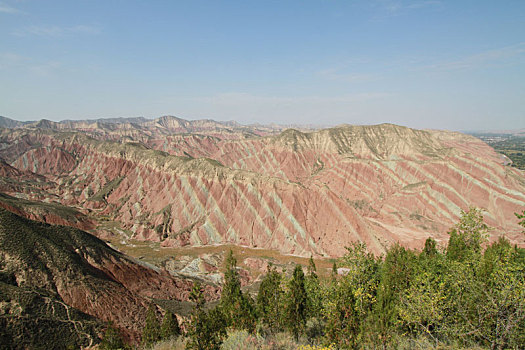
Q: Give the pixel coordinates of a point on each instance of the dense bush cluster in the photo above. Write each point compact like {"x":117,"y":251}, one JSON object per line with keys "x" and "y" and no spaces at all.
{"x":467,"y":294}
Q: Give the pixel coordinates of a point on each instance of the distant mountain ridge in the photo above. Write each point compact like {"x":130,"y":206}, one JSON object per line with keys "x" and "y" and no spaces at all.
{"x":161,"y":125}
{"x":508,"y":132}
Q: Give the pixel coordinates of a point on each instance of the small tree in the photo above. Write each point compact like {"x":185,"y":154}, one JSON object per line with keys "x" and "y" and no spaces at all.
{"x":232,"y":282}
{"x":430,"y":249}
{"x":269,"y":300}
{"x":423,"y":304}
{"x":351,"y":298}
{"x":334,"y":270}
{"x":170,"y":326}
{"x":342,"y":322}
{"x":112,"y":339}
{"x":151,"y":333}
{"x":206,"y":330}
{"x":296,"y":303}
{"x":396,"y":273}
{"x":237,"y":307}
{"x":496,"y":314}
{"x":467,"y":236}
{"x":313,"y":290}
{"x":312,"y":269}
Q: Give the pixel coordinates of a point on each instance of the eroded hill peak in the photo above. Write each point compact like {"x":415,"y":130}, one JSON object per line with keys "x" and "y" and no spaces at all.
{"x":382,"y":141}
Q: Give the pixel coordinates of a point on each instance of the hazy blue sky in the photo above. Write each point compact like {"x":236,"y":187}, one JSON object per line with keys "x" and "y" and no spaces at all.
{"x":421,"y":63}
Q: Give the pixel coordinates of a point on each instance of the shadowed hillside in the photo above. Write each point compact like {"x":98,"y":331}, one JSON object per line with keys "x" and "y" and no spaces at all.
{"x":59,"y":284}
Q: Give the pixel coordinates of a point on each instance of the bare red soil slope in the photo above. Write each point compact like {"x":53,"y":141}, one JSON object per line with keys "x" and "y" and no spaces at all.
{"x":295,"y":192}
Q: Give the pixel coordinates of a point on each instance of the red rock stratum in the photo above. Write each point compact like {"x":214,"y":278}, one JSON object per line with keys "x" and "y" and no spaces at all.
{"x":296,"y":192}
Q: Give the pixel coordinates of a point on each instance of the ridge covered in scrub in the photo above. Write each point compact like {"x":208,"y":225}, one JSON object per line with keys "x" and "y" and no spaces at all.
{"x":61,"y":285}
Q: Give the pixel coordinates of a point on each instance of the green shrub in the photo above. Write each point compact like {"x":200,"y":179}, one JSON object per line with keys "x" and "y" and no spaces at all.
{"x":151,"y":333}
{"x":112,"y":339}
{"x":170,"y":326}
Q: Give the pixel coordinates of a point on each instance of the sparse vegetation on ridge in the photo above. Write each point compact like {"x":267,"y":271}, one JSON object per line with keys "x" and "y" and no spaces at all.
{"x":105,"y":191}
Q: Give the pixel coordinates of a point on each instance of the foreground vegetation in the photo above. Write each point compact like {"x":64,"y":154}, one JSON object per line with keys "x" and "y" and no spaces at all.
{"x":466,"y":295}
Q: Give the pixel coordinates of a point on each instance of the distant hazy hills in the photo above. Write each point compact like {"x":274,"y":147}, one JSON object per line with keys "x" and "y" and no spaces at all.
{"x":162,"y":125}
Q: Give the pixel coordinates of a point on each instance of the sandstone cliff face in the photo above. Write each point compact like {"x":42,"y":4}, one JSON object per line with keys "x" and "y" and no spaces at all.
{"x":296,"y":192}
